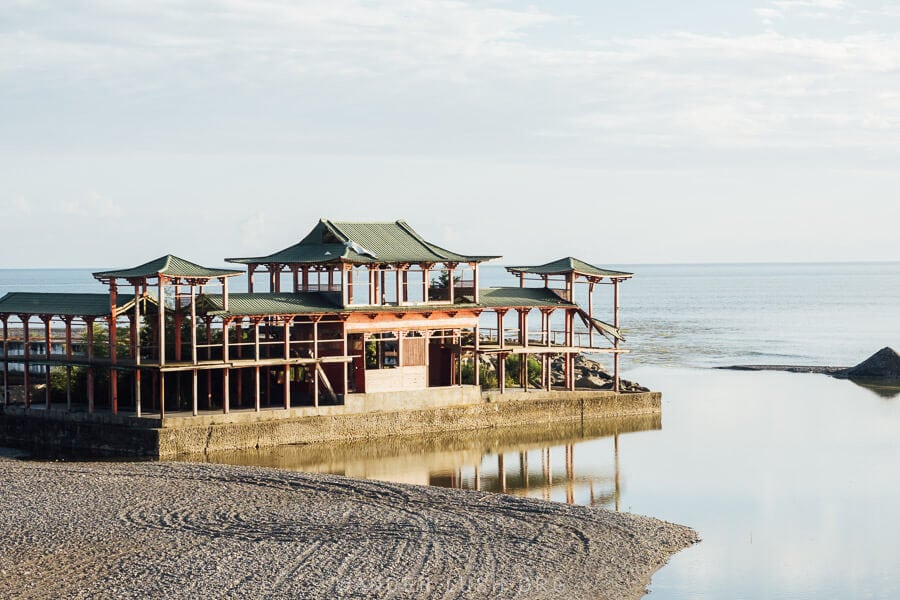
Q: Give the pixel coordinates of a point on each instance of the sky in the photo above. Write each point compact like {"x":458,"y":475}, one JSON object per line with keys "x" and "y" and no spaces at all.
{"x":648,"y":131}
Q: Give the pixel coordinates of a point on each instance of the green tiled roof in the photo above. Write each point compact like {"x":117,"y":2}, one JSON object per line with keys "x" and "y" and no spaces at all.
{"x":75,"y":305}
{"x":519,"y":297}
{"x":569,"y":265}
{"x":362,"y":243}
{"x":257,"y":304}
{"x":169,"y":265}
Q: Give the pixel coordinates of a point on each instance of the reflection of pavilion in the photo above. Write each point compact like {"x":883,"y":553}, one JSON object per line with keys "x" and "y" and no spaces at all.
{"x":536,"y":461}
{"x":521,"y":478}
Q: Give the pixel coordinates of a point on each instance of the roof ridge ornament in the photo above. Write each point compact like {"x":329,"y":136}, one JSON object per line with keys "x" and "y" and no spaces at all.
{"x":359,"y":249}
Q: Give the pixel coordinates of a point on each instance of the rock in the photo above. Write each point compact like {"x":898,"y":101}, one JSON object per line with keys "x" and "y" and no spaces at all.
{"x":884,"y":364}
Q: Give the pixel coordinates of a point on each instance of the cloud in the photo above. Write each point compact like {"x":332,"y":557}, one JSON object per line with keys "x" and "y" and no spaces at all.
{"x":92,"y":206}
{"x":431,"y":76}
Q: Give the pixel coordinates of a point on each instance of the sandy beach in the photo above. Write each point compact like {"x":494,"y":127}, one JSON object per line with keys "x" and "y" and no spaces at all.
{"x":132,"y":530}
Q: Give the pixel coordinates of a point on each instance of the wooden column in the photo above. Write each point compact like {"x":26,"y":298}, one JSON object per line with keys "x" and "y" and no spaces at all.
{"x":47,"y":330}
{"x":162,"y":395}
{"x":405,"y":284}
{"x":26,"y":337}
{"x":5,"y":360}
{"x":194,"y":393}
{"x":345,"y":286}
{"x":90,"y":369}
{"x":591,"y":314}
{"x":615,"y":339}
{"x":256,"y":405}
{"x":305,"y":280}
{"x":346,"y":368}
{"x":425,"y":270}
{"x":287,"y":367}
{"x":475,"y":281}
{"x":477,"y":357}
{"x":113,"y":348}
{"x":226,"y":326}
{"x":193,"y":328}
{"x":349,"y":284}
{"x":226,"y":390}
{"x":316,"y":356}
{"x":295,"y":276}
{"x":208,"y":322}
{"x":68,"y":321}
{"x":251,"y":269}
{"x":161,"y":309}
{"x":398,"y":278}
{"x":177,"y":322}
{"x":501,"y":371}
{"x":451,"y":269}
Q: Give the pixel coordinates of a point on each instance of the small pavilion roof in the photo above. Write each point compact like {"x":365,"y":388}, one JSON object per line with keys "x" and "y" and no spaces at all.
{"x":63,"y":305}
{"x":519,"y":297}
{"x":569,"y":265}
{"x":362,"y":243}
{"x":170,"y":266}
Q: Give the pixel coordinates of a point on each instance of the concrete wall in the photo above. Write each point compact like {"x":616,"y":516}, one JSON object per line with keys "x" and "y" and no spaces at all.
{"x":560,"y":407}
{"x":364,"y":416}
{"x":46,"y":433}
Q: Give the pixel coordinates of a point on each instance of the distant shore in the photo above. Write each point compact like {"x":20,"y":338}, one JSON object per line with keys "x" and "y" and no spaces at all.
{"x":186,"y":530}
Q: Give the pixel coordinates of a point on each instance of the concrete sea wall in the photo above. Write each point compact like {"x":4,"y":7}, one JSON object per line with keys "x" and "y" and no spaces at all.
{"x":440,"y":410}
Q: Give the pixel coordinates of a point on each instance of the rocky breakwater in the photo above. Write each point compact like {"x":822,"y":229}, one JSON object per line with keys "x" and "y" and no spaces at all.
{"x":591,"y":375}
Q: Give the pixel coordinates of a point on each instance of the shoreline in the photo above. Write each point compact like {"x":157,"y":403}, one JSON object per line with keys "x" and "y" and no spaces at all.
{"x":186,"y":529}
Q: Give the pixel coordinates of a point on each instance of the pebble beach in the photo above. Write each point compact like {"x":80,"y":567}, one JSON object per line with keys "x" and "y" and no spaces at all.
{"x":184,"y":530}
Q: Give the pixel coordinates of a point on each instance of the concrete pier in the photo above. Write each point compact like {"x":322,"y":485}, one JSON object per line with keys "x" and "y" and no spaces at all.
{"x":361,"y":416}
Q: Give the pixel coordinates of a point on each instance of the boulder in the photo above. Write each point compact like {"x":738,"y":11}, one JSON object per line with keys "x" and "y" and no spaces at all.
{"x":884,"y":364}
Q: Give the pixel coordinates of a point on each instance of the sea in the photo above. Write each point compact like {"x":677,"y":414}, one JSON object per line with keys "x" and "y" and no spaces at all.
{"x":790,"y":479}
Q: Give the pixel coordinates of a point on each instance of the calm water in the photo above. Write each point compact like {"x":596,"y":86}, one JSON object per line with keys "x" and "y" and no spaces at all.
{"x":791,"y":480}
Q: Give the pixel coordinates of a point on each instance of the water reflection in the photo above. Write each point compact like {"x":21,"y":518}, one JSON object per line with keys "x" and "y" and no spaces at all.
{"x":562,"y":462}
{"x":884,"y":388}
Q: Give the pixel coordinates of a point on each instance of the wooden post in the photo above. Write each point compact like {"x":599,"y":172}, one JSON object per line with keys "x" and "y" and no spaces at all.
{"x":501,"y":371}
{"x":161,"y":309}
{"x":68,"y":321}
{"x":425,"y":269}
{"x":501,"y":472}
{"x":90,"y":370}
{"x":193,"y":329}
{"x":251,"y":269}
{"x":381,"y":285}
{"x":287,"y":367}
{"x":226,"y":326}
{"x":451,"y":269}
{"x":226,"y":400}
{"x":295,"y":276}
{"x":476,"y":354}
{"x":47,"y":322}
{"x":256,"y":391}
{"x":305,"y":280}
{"x":137,"y":322}
{"x":475,"y":282}
{"x":405,"y":284}
{"x":591,"y":314}
{"x":398,"y":278}
{"x":316,"y":356}
{"x":345,"y":290}
{"x":26,"y":337}
{"x":5,"y":361}
{"x":224,"y":281}
{"x":615,"y":339}
{"x":346,"y":369}
{"x":162,"y":395}
{"x":194,"y":392}
{"x":349,"y":284}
